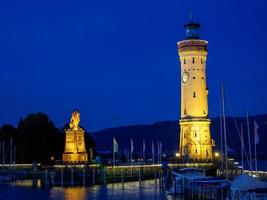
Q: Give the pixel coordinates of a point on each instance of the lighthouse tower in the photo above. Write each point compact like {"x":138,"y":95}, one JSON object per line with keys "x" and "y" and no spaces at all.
{"x":195,"y":139}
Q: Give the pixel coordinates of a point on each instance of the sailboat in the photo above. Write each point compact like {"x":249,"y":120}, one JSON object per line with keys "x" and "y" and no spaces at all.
{"x":182,"y":178}
{"x":246,"y":186}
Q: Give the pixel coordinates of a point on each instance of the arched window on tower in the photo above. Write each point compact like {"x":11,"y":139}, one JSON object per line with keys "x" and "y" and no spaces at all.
{"x":201,"y":61}
{"x":184,"y":61}
{"x":194,"y":94}
{"x":193,"y":60}
{"x":184,"y":111}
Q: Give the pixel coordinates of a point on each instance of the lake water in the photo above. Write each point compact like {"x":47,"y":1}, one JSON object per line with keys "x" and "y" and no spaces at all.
{"x":148,"y":190}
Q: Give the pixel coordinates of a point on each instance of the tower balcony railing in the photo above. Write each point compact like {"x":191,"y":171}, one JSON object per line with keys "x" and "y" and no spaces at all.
{"x":193,"y":118}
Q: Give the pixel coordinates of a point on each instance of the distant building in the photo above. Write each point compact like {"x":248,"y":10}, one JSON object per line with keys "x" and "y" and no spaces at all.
{"x":195,"y":139}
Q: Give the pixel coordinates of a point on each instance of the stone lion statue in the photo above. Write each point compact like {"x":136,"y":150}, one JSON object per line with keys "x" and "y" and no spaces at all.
{"x":75,"y":120}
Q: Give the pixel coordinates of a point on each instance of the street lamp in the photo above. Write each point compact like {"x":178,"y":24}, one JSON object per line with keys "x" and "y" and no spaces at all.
{"x":216,"y":154}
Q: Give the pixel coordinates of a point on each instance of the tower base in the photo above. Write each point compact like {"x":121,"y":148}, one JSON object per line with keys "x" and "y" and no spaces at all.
{"x":75,"y":150}
{"x":195,"y":141}
{"x":75,"y":157}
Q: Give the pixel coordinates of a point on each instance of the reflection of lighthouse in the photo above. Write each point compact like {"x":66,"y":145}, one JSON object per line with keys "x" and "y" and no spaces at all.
{"x":195,"y":140}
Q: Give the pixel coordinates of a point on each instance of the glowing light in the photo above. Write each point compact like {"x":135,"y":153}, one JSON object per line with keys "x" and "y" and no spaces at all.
{"x":133,"y":166}
{"x":177,"y":155}
{"x":216,"y":154}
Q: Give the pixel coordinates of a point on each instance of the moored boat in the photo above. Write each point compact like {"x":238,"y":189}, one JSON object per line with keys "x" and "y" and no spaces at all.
{"x":181,"y":179}
{"x":247,"y":187}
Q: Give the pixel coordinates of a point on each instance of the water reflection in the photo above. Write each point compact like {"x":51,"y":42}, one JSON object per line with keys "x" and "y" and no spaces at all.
{"x":147,"y":190}
{"x":28,"y":183}
{"x":75,"y":193}
{"x":116,"y":191}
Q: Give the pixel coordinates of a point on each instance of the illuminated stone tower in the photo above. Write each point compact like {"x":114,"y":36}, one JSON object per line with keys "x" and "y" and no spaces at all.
{"x":195,"y":139}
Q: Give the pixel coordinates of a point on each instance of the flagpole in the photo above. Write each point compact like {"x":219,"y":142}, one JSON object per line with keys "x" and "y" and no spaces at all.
{"x":11,"y":149}
{"x":144,"y":158}
{"x":132,"y":156}
{"x":158,"y":150}
{"x":249,"y":144}
{"x":242,"y":148}
{"x":153,"y":152}
{"x":3,"y":146}
{"x":144,"y":152}
{"x":131,"y":163}
{"x":131,"y":159}
{"x":161,"y":152}
{"x":0,"y":150}
{"x":113,"y":152}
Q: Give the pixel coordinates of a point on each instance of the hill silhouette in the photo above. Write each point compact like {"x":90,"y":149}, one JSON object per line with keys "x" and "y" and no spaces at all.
{"x":168,"y":133}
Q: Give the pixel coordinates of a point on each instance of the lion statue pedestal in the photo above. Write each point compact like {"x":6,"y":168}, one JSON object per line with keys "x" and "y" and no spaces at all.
{"x":75,"y":150}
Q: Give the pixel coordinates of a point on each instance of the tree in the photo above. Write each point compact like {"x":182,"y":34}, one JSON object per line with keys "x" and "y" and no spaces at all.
{"x":38,"y":139}
{"x":7,"y":131}
{"x":90,"y":143}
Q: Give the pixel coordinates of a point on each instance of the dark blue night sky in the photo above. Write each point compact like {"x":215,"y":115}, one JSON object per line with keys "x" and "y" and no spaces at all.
{"x":116,"y":61}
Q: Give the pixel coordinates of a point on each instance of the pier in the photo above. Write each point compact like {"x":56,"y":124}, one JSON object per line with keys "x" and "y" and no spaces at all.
{"x":79,"y":175}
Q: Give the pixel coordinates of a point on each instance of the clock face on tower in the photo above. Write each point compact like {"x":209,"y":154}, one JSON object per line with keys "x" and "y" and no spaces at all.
{"x":185,"y":77}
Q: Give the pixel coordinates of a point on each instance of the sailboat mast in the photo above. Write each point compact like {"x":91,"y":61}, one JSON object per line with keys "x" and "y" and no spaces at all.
{"x":11,"y":149}
{"x":255,"y":148}
{"x":3,"y":151}
{"x":221,"y":133}
{"x":14,"y":156}
{"x":225,"y":138}
{"x":249,"y":144}
{"x":256,"y":165}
